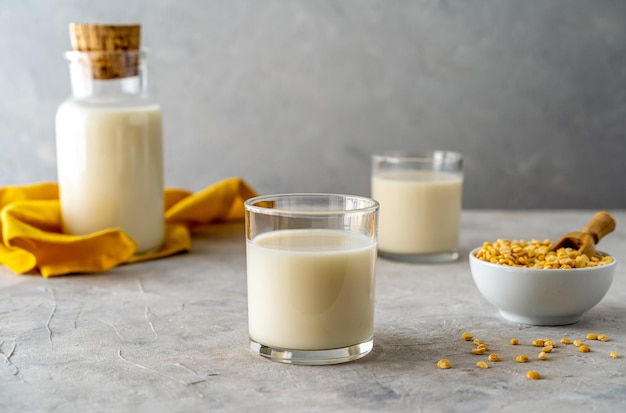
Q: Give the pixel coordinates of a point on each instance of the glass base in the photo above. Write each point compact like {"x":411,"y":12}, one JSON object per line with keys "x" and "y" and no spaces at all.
{"x":313,"y":357}
{"x":438,"y":257}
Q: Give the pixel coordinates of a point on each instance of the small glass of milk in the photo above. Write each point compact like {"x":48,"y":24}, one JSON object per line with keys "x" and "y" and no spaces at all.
{"x":420,"y":205}
{"x":311,"y":275}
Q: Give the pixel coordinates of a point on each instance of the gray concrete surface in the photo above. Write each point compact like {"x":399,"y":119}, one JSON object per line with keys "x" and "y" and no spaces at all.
{"x":171,"y":336}
{"x":295,"y":95}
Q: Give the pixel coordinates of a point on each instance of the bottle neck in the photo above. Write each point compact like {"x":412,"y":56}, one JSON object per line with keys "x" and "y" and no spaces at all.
{"x":106,"y":83}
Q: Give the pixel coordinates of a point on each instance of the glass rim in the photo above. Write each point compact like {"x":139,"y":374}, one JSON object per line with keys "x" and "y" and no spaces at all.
{"x":407,"y":156}
{"x":369,"y":205}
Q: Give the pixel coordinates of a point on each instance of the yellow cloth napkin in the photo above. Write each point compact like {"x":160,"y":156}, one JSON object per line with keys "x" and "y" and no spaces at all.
{"x":33,"y":242}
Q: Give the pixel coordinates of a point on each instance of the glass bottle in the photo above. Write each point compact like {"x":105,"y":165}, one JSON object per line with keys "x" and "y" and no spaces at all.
{"x":109,"y":139}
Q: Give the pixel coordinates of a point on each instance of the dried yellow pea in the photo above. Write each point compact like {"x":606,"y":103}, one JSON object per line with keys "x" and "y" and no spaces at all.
{"x":533,"y":375}
{"x":566,"y":340}
{"x":514,"y":341}
{"x":482,"y":365}
{"x":603,"y":337}
{"x":444,"y":364}
{"x":542,"y":356}
{"x":584,"y":348}
{"x":522,"y":358}
{"x":613,"y":354}
{"x":467,"y":336}
{"x":478,"y":341}
{"x":493,"y":357}
{"x":478,"y":351}
{"x":591,"y":336}
{"x":538,"y":342}
{"x":546,"y":349}
{"x":578,"y":343}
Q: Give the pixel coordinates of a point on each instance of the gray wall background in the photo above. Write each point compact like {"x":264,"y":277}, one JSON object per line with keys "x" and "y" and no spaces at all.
{"x":295,"y":95}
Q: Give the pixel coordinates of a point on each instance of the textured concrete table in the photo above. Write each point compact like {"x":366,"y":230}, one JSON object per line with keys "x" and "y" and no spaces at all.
{"x":171,"y":336}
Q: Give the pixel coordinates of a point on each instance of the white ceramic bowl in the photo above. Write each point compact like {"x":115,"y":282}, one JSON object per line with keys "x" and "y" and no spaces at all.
{"x":538,"y":296}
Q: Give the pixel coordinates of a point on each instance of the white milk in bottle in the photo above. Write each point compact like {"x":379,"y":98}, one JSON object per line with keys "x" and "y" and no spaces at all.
{"x":109,"y":139}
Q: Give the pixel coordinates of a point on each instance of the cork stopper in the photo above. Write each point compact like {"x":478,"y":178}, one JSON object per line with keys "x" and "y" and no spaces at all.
{"x":113,"y":49}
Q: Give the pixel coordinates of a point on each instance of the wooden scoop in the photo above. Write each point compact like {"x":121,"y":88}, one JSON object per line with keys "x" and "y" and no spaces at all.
{"x":585,"y":241}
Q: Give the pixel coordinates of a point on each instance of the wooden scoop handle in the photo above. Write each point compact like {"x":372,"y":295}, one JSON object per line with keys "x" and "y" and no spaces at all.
{"x":601,"y":223}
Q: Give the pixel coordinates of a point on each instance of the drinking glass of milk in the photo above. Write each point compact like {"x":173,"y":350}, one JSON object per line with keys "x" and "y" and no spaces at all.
{"x":311,"y":276}
{"x":420,"y":205}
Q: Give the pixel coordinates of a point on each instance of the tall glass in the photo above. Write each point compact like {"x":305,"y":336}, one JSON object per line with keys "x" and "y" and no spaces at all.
{"x":311,"y":276}
{"x":420,"y":205}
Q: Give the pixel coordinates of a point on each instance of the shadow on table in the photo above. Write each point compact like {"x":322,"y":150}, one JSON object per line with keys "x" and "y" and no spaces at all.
{"x":406,"y":347}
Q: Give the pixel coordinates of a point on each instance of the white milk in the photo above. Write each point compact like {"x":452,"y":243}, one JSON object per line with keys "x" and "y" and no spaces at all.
{"x":311,"y":289}
{"x":419,"y":211}
{"x":110,"y":171}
